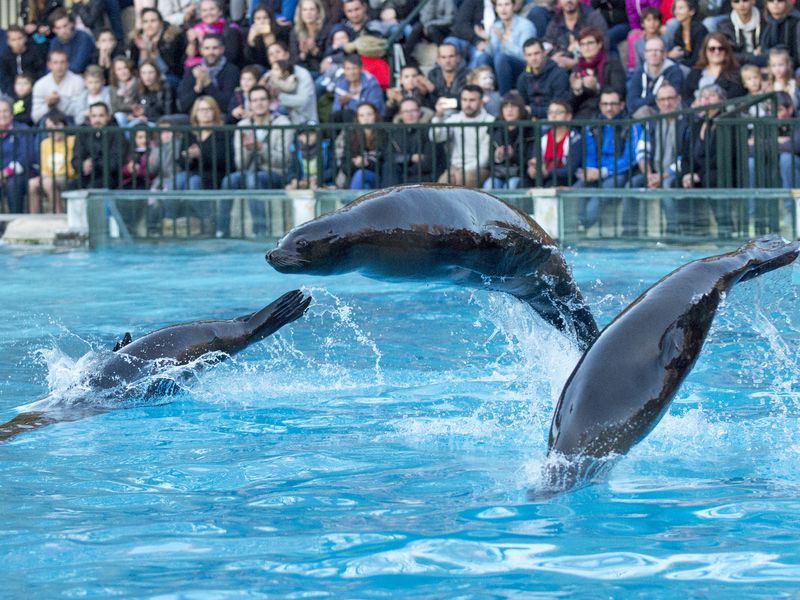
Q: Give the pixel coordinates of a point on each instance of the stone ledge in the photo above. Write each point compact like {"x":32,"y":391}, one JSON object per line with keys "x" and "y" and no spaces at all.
{"x":49,"y":230}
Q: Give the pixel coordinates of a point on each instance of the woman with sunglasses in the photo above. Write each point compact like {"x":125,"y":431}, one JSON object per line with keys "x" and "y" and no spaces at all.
{"x":716,"y":66}
{"x":780,"y":28}
{"x":743,"y":30}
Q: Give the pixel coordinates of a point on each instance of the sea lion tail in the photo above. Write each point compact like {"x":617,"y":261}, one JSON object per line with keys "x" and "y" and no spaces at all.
{"x":289,"y":307}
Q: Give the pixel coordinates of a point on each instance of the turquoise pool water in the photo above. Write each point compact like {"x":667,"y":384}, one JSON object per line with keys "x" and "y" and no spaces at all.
{"x":383,"y":445}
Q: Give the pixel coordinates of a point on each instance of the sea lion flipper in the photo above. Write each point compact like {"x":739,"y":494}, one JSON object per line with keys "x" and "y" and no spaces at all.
{"x":126,"y":339}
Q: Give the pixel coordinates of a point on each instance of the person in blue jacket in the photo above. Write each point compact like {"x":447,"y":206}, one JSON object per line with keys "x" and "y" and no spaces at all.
{"x":78,"y":45}
{"x":16,"y":158}
{"x":610,"y":159}
{"x":355,"y":86}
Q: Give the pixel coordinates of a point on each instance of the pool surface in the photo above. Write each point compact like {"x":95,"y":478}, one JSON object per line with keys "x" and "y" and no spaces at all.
{"x":383,"y":444}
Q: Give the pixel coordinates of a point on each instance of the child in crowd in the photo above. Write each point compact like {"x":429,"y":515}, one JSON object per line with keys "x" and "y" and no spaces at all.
{"x":331,"y":66}
{"x":483,"y":77}
{"x":124,"y":92}
{"x":96,"y":89}
{"x":309,"y":155}
{"x":751,"y":80}
{"x":135,"y":170}
{"x":105,"y":50}
{"x":55,"y":165}
{"x":239,"y":106}
{"x":651,"y":28}
{"x":23,"y":98}
{"x":781,"y":73}
{"x":154,"y":96}
{"x":281,"y":79}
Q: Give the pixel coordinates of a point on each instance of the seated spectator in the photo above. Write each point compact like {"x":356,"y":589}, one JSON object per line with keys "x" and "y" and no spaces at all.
{"x":99,"y":155}
{"x":178,"y":13}
{"x":542,"y":81}
{"x":689,"y":36}
{"x":161,"y":43}
{"x":470,"y":155}
{"x":659,"y":153}
{"x":360,"y":151}
{"x":96,"y":89}
{"x":509,"y":145}
{"x":610,"y":161}
{"x":308,"y":36}
{"x":742,"y":27}
{"x":20,"y":57}
{"x":781,"y":74}
{"x":106,"y":49}
{"x":312,"y":164}
{"x":410,"y":156}
{"x":470,"y":32}
{"x":260,"y":35}
{"x":89,"y":15}
{"x":595,"y":70}
{"x":562,"y":32}
{"x":637,"y":11}
{"x":411,"y":86}
{"x":646,"y":81}
{"x":366,"y":40}
{"x":751,"y":81}
{"x":78,"y":45}
{"x":434,"y":25}
{"x":780,"y":28}
{"x":23,"y":99}
{"x":483,"y":77}
{"x":699,"y":161}
{"x":332,"y":60}
{"x":61,"y":88}
{"x":614,"y":13}
{"x":214,"y":76}
{"x":16,"y":159}
{"x":449,"y":76}
{"x":716,"y":65}
{"x":554,"y":162}
{"x":162,"y":168}
{"x":651,"y":28}
{"x":239,"y":106}
{"x":55,"y":166}
{"x":154,"y":94}
{"x":353,"y":88}
{"x":124,"y":92}
{"x":506,"y":37}
{"x":280,"y":79}
{"x":301,"y":106}
{"x":261,"y":155}
{"x":213,"y":22}
{"x":135,"y":173}
{"x":35,"y":16}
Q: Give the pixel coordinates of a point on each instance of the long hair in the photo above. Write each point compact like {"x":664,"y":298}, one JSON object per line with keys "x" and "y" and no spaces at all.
{"x":156,"y":87}
{"x":112,"y":75}
{"x":730,"y":64}
{"x":299,"y":27}
{"x":214,"y":107}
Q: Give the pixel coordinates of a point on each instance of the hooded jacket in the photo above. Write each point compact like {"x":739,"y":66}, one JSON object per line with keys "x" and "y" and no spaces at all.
{"x":538,"y":90}
{"x":643,"y":87}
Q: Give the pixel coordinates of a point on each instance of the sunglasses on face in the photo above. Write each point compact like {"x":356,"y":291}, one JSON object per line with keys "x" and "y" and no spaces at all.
{"x":716,"y":49}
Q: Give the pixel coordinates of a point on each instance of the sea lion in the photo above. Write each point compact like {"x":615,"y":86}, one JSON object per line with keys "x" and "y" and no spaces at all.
{"x":457,"y":234}
{"x":624,"y":383}
{"x":179,"y":344}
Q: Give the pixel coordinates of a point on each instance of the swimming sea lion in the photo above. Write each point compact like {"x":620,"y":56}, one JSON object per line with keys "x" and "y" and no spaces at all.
{"x":442,"y":232}
{"x":173,"y":345}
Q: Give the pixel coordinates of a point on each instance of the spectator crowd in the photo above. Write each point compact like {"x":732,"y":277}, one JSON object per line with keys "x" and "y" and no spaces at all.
{"x":123,"y":75}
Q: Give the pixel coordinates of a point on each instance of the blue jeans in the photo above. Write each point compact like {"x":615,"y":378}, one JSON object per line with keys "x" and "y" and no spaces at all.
{"x":185,"y":181}
{"x":789,"y":170}
{"x":669,"y":207}
{"x":363,"y":179}
{"x":14,"y":190}
{"x":254,"y":180}
{"x":507,"y":68}
{"x":616,"y":34}
{"x":498,"y":183}
{"x":589,"y":209}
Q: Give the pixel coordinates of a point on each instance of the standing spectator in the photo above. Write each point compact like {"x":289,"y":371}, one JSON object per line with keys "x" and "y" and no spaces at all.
{"x":410,"y":153}
{"x":360,"y":150}
{"x":124,"y":90}
{"x":353,"y":88}
{"x":161,"y":43}
{"x":300,"y":105}
{"x":308,"y":36}
{"x":449,"y":76}
{"x":214,"y":76}
{"x":743,"y":30}
{"x":659,"y":152}
{"x":506,"y":37}
{"x":595,"y":70}
{"x":555,"y":161}
{"x":61,"y":88}
{"x":690,"y":34}
{"x":213,"y":22}
{"x":542,"y":81}
{"x":78,"y":45}
{"x":509,"y":145}
{"x":562,"y":32}
{"x":20,"y":57}
{"x":16,"y":158}
{"x":614,"y":13}
{"x":610,"y":161}
{"x":55,"y":166}
{"x":646,"y":81}
{"x":261,"y":34}
{"x":470,"y":155}
{"x":780,"y":28}
{"x":154,"y":95}
{"x":99,"y":154}
{"x":261,"y":155}
{"x":716,"y":65}
{"x":23,"y":99}
{"x":781,"y":74}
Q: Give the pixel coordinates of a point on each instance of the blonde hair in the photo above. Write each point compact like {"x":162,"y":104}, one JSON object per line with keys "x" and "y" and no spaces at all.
{"x":780,"y":53}
{"x":750,"y":69}
{"x":299,"y":27}
{"x":214,"y":107}
{"x":474,"y":75}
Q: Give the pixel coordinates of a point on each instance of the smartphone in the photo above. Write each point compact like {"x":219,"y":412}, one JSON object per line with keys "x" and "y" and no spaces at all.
{"x":449,"y":103}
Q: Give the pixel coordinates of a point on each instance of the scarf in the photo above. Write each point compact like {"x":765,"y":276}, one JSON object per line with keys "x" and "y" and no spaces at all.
{"x":597,"y":64}
{"x":778,"y":32}
{"x":214,"y":71}
{"x":202,"y":29}
{"x":747,"y":34}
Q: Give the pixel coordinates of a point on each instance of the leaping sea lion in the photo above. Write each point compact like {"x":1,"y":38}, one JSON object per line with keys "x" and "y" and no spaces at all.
{"x":176,"y":345}
{"x":456,"y":234}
